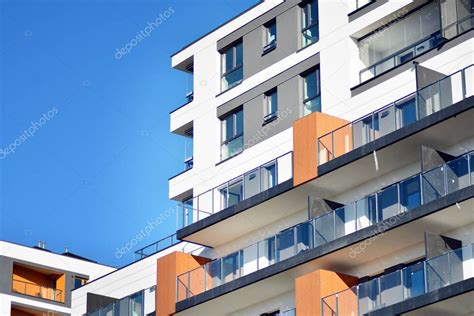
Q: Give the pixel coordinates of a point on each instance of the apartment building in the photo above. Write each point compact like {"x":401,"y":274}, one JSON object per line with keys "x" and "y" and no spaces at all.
{"x":35,"y":281}
{"x":329,"y":168}
{"x":332,"y":161}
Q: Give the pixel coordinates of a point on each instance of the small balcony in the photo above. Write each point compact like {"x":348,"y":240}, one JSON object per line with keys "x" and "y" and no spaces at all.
{"x":404,"y":284}
{"x":258,"y":180}
{"x":130,"y":305}
{"x":394,"y":200}
{"x":401,"y":113}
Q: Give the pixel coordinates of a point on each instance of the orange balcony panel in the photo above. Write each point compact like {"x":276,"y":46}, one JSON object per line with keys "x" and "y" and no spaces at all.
{"x":312,"y":287}
{"x":306,"y":132}
{"x":169,"y":268}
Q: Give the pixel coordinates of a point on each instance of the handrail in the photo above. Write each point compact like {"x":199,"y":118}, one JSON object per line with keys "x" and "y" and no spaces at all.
{"x":48,"y":293}
{"x":156,"y":245}
{"x":426,"y":101}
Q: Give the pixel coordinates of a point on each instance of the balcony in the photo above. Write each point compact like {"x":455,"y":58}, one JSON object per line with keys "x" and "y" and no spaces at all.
{"x":356,"y":5}
{"x":404,"y":284}
{"x":395,"y":200}
{"x":399,"y":114}
{"x":130,"y":305}
{"x":239,"y":189}
{"x":35,"y":290}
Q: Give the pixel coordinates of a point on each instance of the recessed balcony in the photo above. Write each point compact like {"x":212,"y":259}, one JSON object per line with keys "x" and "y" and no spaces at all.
{"x":38,"y":283}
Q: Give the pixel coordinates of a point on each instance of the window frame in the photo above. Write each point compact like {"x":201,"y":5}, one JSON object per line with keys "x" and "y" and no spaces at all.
{"x":306,"y":11}
{"x":269,"y":45}
{"x":235,"y":66}
{"x":234,"y":126}
{"x":304,"y":75}
{"x":267,"y":97}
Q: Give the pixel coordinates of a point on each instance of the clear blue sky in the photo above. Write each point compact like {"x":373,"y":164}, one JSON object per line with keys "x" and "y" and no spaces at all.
{"x":94,"y":171}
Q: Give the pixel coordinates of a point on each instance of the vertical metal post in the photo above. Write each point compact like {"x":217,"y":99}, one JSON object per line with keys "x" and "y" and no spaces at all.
{"x":258,"y":255}
{"x":463,"y":79}
{"x":295,"y":241}
{"x":425,"y":276}
{"x":337,"y":304}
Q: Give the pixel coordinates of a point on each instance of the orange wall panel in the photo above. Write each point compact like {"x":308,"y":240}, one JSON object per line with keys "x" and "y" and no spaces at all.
{"x":168,"y":269}
{"x":306,"y":132}
{"x":312,"y":287}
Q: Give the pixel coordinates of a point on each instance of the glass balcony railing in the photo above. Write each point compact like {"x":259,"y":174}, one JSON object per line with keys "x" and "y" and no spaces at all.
{"x":36,"y":290}
{"x":411,"y":281}
{"x":393,"y":200}
{"x":132,"y":305}
{"x":401,"y":113}
{"x":157,"y":246}
{"x":236,"y":190}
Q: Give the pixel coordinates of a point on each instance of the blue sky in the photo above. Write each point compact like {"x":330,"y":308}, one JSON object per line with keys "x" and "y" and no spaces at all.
{"x":86,"y":151}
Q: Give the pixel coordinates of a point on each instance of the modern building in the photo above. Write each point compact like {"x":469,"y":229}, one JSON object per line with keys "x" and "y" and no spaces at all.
{"x":35,"y":281}
{"x":329,"y":167}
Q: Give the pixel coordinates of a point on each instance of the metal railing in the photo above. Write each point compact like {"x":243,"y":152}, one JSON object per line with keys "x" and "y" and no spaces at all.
{"x":255,"y":181}
{"x":130,"y":305}
{"x":32,"y":289}
{"x":395,"y":287}
{"x":403,"y":112}
{"x":394,"y":200}
{"x":157,"y":246}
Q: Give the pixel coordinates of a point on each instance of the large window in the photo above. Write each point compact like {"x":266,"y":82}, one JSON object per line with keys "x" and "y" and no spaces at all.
{"x":399,"y":41}
{"x":310,"y":27}
{"x":311,"y":92}
{"x":232,"y":65}
{"x":271,"y":105}
{"x":232,"y":129}
{"x":270,"y":36}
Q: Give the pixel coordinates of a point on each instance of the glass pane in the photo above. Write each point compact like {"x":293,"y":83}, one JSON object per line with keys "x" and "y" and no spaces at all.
{"x":388,"y":202}
{"x":391,"y":288}
{"x":266,"y":252}
{"x":228,"y":60}
{"x":414,"y":280}
{"x":235,"y":193}
{"x":182,"y":287}
{"x":230,"y":267}
{"x":347,"y":302}
{"x":311,"y":106}
{"x":457,"y":174}
{"x":239,"y":55}
{"x":366,"y":212}
{"x":428,"y":100}
{"x":232,"y":78}
{"x":329,"y":306}
{"x":304,"y":236}
{"x":228,"y":128}
{"x":310,"y":90}
{"x":213,"y":278}
{"x":410,"y":195}
{"x":342,"y":140}
{"x":239,"y":123}
{"x":344,"y":218}
{"x":136,"y":304}
{"x":325,"y":152}
{"x":456,"y":265}
{"x":437,"y":272}
{"x":433,"y":184}
{"x":196,"y":281}
{"x":285,"y":244}
{"x":232,"y":148}
{"x":324,"y":226}
{"x":406,"y":113}
{"x":252,"y":183}
{"x":249,"y":259}
{"x":268,"y":176}
{"x":386,"y":119}
{"x":368,"y":296}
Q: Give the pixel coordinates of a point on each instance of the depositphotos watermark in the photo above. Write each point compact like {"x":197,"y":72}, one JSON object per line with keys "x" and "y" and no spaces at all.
{"x":144,"y":232}
{"x":28,"y":133}
{"x":143,"y":34}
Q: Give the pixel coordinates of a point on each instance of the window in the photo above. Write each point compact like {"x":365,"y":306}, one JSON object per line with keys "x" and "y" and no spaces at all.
{"x":271,"y":105}
{"x":232,"y":66}
{"x":406,"y":112}
{"x":188,"y":149}
{"x":78,"y":282}
{"x":275,"y":313}
{"x":310,"y":27}
{"x":231,"y":194}
{"x":232,"y":134}
{"x":270,"y":36}
{"x":311,"y":92}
